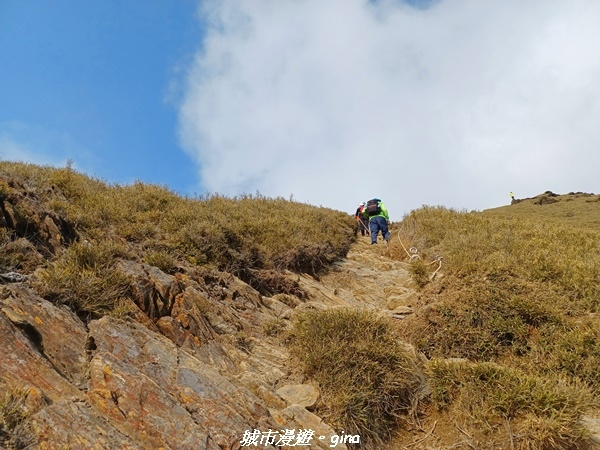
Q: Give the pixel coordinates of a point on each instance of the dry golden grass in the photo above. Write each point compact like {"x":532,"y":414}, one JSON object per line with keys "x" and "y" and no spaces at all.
{"x":14,"y":430}
{"x":473,"y":244}
{"x":579,"y":210}
{"x":545,"y":412}
{"x":367,"y":377}
{"x":85,"y":278}
{"x":518,"y":299}
{"x":250,"y":236}
{"x":518,"y":295}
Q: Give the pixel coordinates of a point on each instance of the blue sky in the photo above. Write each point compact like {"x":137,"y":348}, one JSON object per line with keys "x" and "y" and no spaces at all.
{"x":446,"y":102}
{"x":97,"y":82}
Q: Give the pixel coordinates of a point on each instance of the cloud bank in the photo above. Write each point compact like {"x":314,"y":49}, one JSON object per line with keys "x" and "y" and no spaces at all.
{"x":336,"y":102}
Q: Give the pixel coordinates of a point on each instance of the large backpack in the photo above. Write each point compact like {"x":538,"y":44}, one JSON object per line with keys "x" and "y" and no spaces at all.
{"x":373,"y":208}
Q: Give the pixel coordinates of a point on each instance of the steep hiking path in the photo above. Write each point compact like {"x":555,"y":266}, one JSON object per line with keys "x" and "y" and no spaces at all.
{"x":367,"y":278}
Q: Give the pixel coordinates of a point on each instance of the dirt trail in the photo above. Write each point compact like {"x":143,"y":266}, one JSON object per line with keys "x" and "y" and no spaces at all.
{"x":366,"y":278}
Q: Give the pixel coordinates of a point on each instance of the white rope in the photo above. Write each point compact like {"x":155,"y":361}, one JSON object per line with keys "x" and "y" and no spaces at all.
{"x":413,"y":255}
{"x":408,"y":254}
{"x":438,"y":260}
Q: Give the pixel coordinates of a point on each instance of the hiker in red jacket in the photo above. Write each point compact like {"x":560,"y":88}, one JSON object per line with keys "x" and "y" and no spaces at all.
{"x":362,"y":219}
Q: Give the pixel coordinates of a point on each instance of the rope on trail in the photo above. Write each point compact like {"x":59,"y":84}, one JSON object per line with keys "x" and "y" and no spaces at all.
{"x":413,"y":255}
{"x":438,"y":260}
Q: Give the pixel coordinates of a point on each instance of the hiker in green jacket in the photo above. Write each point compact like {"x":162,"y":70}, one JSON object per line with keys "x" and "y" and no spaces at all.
{"x":379,"y":219}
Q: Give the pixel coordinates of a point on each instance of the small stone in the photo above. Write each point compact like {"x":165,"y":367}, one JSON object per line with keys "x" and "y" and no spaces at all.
{"x":299,"y":394}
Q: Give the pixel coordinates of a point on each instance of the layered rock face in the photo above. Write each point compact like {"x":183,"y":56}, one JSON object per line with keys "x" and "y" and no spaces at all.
{"x":186,"y":369}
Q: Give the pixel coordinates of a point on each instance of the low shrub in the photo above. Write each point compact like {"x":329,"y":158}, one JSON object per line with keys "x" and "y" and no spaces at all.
{"x":419,"y":273}
{"x":272,"y":282}
{"x":515,"y":290}
{"x":162,"y":260}
{"x":274,"y":326}
{"x":546,"y":411}
{"x":239,"y":235}
{"x":482,"y":319}
{"x":367,"y":376}
{"x":14,"y":431}
{"x":85,"y":278}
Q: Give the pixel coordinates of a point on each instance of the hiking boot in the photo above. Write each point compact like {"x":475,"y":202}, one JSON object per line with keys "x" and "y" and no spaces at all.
{"x":373,"y":243}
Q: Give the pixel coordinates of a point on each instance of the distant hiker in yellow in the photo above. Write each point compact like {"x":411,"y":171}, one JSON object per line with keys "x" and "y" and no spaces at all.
{"x":379,"y":219}
{"x":512,"y":196}
{"x":362,"y":220}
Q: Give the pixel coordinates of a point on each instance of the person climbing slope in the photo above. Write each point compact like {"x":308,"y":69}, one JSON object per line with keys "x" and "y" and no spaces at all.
{"x":362,"y":219}
{"x":379,"y":219}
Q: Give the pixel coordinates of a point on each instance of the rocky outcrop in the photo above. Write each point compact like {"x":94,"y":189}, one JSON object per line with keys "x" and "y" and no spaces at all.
{"x":22,"y":211}
{"x":187,"y":368}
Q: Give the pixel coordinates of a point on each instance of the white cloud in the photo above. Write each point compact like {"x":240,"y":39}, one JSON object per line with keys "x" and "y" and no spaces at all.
{"x":338,"y":101}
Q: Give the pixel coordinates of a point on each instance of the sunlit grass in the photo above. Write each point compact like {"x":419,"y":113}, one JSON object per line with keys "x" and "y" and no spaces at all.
{"x":367,"y":376}
{"x":545,"y":412}
{"x":578,"y":210}
{"x":517,"y":299}
{"x":250,"y":236}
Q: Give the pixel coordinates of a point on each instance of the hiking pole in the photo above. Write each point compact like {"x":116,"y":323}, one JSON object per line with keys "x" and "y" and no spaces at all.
{"x":364,"y":226}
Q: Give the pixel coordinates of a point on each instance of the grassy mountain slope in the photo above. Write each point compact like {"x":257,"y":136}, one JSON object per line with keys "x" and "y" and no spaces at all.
{"x":517,"y":307}
{"x":505,"y":316}
{"x":578,"y":209}
{"x":252,"y":237}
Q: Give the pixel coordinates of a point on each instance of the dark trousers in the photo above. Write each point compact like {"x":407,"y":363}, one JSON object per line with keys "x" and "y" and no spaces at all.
{"x":363,"y":225}
{"x":376,"y":224}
